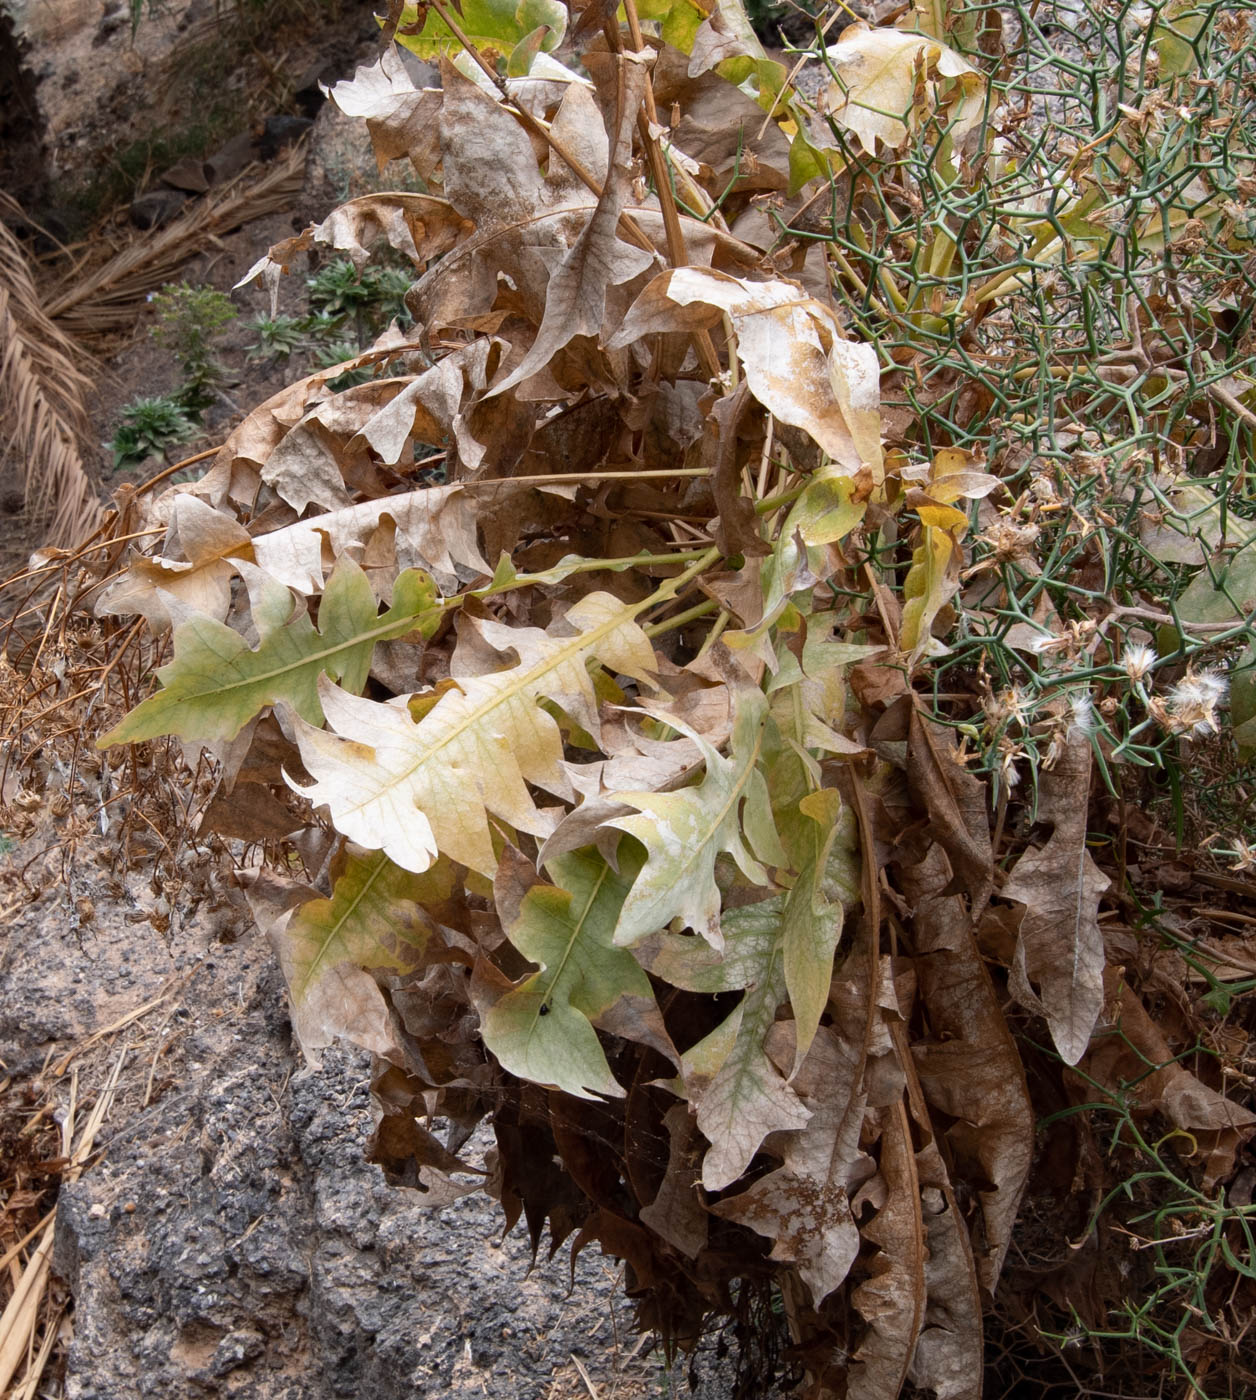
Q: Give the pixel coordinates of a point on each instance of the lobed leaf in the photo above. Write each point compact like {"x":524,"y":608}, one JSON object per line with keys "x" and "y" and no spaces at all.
{"x":685,"y":832}
{"x":413,"y":789}
{"x":217,"y":682}
{"x":737,"y":1093}
{"x":542,"y":1029}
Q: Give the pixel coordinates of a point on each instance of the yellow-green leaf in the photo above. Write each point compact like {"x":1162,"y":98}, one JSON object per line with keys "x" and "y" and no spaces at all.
{"x":491,"y":25}
{"x":216,"y":682}
{"x":926,"y":588}
{"x":373,"y":920}
{"x":542,"y":1029}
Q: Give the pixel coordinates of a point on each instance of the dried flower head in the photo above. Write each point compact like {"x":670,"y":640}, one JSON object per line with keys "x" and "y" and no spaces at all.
{"x":1244,"y":855}
{"x":1010,"y":706}
{"x":1138,"y":661}
{"x":1191,"y":707}
{"x":1009,"y":755}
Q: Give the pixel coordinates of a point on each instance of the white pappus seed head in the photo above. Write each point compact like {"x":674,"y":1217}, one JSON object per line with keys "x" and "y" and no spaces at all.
{"x":1138,"y":661}
{"x":1193,"y":702}
{"x":1081,"y":712}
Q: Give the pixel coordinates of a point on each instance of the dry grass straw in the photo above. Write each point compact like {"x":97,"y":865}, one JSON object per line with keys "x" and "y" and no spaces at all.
{"x":31,"y":1320}
{"x":42,"y":393}
{"x":107,"y":299}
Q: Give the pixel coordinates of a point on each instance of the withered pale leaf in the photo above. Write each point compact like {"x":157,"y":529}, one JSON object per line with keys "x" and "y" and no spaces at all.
{"x":412,"y":789}
{"x":1058,"y":965}
{"x":308,"y":464}
{"x":804,"y":1206}
{"x":877,"y":85}
{"x":200,"y":580}
{"x":575,"y":299}
{"x":433,"y":528}
{"x":797,"y":362}
{"x":401,"y":119}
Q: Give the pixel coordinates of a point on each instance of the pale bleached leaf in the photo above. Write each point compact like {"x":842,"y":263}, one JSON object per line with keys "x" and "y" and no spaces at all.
{"x":400,"y":118}
{"x":798,"y":363}
{"x":878,"y":94}
{"x":685,"y":832}
{"x":413,"y":789}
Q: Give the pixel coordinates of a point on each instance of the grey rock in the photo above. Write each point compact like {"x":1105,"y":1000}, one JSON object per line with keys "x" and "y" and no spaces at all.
{"x":157,"y":207}
{"x":233,"y":1239}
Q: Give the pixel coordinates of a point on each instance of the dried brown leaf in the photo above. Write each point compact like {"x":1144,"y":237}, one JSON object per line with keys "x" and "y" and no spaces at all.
{"x":1058,"y":966}
{"x":969,"y":1066}
{"x":804,"y":1206}
{"x":892,"y":1298}
{"x":676,"y":1212}
{"x":576,"y":296}
{"x":1120,"y":1058}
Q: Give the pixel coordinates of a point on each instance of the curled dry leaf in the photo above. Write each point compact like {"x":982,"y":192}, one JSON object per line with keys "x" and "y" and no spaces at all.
{"x":797,"y":362}
{"x":888,"y":79}
{"x":1119,"y":1059}
{"x":1058,"y":966}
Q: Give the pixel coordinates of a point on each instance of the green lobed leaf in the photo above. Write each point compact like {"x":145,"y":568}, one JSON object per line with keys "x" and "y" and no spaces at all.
{"x":499,"y":26}
{"x":737,"y":1093}
{"x":217,"y":682}
{"x":374,"y":920}
{"x":542,"y":1030}
{"x":685,"y":832}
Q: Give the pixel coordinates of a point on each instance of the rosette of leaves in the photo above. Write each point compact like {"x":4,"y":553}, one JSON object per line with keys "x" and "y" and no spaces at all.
{"x":641,"y":840}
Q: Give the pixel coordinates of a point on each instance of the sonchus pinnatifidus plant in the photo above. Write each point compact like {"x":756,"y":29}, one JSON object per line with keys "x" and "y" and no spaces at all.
{"x":629,"y":814}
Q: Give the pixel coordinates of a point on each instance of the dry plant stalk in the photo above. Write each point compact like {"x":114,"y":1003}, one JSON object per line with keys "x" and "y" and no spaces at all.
{"x":106,"y":300}
{"x":41,"y":402}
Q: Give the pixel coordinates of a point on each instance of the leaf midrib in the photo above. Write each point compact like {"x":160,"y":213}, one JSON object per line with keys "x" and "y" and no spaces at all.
{"x":307,"y":980}
{"x":374,"y":634}
{"x":568,"y":648}
{"x":555,"y":974}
